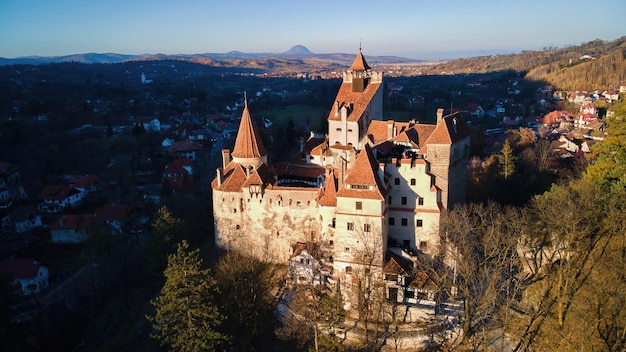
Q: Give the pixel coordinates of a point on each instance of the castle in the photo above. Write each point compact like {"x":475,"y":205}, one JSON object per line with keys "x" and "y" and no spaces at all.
{"x":349,"y":195}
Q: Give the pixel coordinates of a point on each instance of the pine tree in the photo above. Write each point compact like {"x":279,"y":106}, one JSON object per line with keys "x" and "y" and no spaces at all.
{"x":186,"y":316}
{"x":506,"y":160}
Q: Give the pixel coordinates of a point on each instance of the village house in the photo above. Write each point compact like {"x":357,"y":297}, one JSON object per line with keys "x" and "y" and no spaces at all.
{"x":72,"y":228}
{"x":11,"y":190}
{"x":57,"y":198}
{"x":22,"y":220}
{"x":86,"y":184}
{"x":30,"y":275}
{"x":185,"y":149}
{"x":352,"y":192}
{"x":178,"y":174}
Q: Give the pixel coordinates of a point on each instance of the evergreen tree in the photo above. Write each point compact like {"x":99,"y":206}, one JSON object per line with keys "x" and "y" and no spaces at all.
{"x":186,"y":316}
{"x":506,"y":160}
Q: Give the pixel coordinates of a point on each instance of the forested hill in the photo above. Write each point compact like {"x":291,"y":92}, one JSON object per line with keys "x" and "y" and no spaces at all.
{"x":593,"y":65}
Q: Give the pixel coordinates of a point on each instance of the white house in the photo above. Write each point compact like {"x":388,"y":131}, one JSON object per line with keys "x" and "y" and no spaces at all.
{"x":30,"y":275}
{"x":56,"y":198}
{"x":22,"y":220}
{"x":72,"y":228}
{"x":303,"y":267}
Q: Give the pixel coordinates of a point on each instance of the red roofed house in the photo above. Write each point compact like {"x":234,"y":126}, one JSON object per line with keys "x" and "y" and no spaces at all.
{"x":56,"y":198}
{"x":178,"y":174}
{"x":72,"y":228}
{"x":185,"y":149}
{"x":367,"y":183}
{"x":30,"y":275}
{"x":85,"y":184}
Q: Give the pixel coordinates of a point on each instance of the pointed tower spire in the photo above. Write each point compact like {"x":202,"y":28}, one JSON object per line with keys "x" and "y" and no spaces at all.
{"x":249,"y":149}
{"x":359,"y":63}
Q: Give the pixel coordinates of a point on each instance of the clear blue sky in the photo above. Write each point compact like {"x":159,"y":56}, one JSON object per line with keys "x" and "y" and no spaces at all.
{"x":410,"y":28}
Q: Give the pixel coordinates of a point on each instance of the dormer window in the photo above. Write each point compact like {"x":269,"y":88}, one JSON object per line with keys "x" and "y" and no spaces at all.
{"x":255,"y":189}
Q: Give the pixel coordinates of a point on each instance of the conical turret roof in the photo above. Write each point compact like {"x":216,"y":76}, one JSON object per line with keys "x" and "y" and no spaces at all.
{"x":359,"y":63}
{"x":248,"y":143}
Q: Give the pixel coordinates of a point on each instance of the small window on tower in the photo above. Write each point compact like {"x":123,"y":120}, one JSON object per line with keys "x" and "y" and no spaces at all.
{"x":420,"y":201}
{"x":359,"y":205}
{"x":412,"y":182}
{"x":419,"y":223}
{"x":396,"y":181}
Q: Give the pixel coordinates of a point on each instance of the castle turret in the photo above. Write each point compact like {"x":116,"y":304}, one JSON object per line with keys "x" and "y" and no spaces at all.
{"x":249,"y":149}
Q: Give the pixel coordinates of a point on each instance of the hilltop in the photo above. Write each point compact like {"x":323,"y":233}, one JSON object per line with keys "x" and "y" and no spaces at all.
{"x":594,"y":64}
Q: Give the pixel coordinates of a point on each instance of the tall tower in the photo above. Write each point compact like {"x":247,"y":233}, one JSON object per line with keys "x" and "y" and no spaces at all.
{"x":358,"y":102}
{"x":248,"y":150}
{"x":448,"y":153}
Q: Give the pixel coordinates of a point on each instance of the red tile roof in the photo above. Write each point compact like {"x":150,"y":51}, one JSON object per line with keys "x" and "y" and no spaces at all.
{"x":329,"y":192}
{"x":359,"y":63}
{"x":20,"y":268}
{"x":185,"y":145}
{"x":364,"y":172}
{"x":248,"y":143}
{"x":449,"y":129}
{"x":74,"y":221}
{"x":356,"y":102}
{"x":87,"y":181}
{"x":52,"y":192}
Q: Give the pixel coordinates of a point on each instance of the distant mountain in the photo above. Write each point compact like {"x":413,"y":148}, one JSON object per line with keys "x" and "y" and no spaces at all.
{"x":297,"y":52}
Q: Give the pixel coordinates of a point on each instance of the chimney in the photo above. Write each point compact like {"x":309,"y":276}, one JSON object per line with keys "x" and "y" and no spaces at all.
{"x":342,"y":172}
{"x":220,"y":177}
{"x":439,"y":115}
{"x":337,"y":108}
{"x":225,"y":157}
{"x":344,"y":113}
{"x":390,"y":133}
{"x":301,"y":144}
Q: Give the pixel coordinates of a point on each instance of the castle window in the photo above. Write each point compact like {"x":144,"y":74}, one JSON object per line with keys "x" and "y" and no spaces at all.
{"x":423,"y":245}
{"x":420,"y":200}
{"x":331,"y":243}
{"x":391,"y":277}
{"x":389,"y":200}
{"x":396,"y":181}
{"x":419,"y":223}
{"x":405,"y":222}
{"x":350,"y":226}
{"x":330,"y":258}
{"x":348,"y":269}
{"x":334,"y":223}
{"x":392,"y":221}
{"x":338,"y":129}
{"x":359,"y":205}
{"x":347,"y":249}
{"x":238,"y":227}
{"x":404,"y":200}
{"x":412,"y":182}
{"x":367,"y":228}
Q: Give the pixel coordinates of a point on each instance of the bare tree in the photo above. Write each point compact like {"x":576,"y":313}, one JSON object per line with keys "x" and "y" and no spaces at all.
{"x":477,"y":265}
